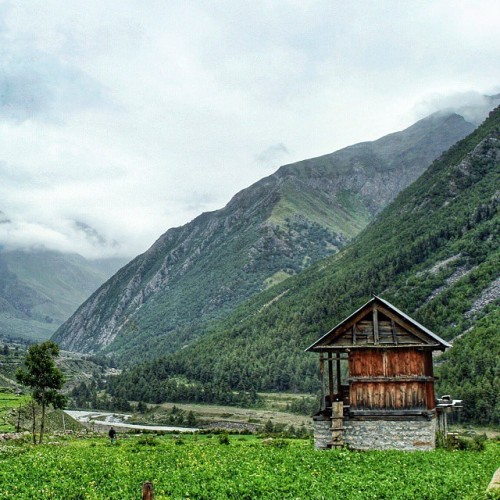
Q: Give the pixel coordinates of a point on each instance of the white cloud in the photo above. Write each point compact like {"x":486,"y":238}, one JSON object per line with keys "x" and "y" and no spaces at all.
{"x":272,"y":155}
{"x":133,"y":117}
{"x":473,"y":106}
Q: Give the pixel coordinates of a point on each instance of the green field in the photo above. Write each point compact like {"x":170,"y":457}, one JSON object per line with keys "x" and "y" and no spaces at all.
{"x":248,"y":467}
{"x":8,"y":402}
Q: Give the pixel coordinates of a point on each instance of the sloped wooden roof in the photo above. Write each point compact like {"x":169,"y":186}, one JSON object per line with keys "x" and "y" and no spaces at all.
{"x":378,"y":324}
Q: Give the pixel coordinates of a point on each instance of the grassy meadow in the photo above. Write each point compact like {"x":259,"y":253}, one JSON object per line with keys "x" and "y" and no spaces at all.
{"x":212,"y":466}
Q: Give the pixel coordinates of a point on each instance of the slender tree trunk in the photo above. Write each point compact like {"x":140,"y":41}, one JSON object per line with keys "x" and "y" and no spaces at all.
{"x":42,"y":421}
{"x":33,"y":418}
{"x":18,"y":428}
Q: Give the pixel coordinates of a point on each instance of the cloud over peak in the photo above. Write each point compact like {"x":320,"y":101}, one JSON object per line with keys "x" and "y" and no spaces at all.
{"x":132,"y":117}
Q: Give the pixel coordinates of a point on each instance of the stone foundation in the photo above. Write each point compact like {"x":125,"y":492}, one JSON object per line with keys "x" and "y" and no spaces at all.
{"x":378,"y":434}
{"x":406,"y":435}
{"x":322,"y":432}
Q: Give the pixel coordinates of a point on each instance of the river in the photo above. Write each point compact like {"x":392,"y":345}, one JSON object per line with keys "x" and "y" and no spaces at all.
{"x":118,"y":420}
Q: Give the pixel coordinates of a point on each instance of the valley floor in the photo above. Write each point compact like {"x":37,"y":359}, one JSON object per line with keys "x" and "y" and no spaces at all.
{"x":106,"y":419}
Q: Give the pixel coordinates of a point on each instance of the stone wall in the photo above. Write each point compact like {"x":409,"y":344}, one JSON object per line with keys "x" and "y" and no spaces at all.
{"x":322,"y":433}
{"x":407,"y":435}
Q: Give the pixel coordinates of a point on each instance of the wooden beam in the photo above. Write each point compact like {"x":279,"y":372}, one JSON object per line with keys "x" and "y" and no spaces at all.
{"x":322,"y":378}
{"x":389,"y":412}
{"x":330,"y":379}
{"x":375,"y":325}
{"x":354,"y":332}
{"x":400,"y":378}
{"x":348,"y":348}
{"x":394,"y":332}
{"x":344,"y":328}
{"x":339,"y":392}
{"x":405,"y":325}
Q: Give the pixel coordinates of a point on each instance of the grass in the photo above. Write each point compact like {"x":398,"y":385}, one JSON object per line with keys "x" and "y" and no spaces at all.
{"x":276,"y":278}
{"x":199,"y":467}
{"x":273,"y":408}
{"x":8,"y":402}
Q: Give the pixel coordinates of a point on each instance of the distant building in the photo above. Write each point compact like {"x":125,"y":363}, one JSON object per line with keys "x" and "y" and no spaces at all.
{"x":387,"y":399}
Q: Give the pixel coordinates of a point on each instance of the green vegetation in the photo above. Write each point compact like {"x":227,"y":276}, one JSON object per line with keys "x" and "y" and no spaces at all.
{"x":434,"y":253}
{"x":16,"y":415}
{"x":237,"y":467}
{"x":280,"y":225}
{"x":472,"y":369}
{"x":10,"y":402}
{"x":45,"y":380}
{"x":11,"y":356}
{"x":39,"y":290}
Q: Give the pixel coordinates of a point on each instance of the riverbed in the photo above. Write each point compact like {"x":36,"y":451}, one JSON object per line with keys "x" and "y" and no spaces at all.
{"x":118,"y":420}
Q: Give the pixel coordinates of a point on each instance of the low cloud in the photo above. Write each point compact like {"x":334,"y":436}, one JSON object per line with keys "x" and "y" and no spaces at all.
{"x":273,"y":156}
{"x":38,"y":81}
{"x":36,"y":86}
{"x":135,"y":119}
{"x":473,"y":106}
{"x":69,"y":237}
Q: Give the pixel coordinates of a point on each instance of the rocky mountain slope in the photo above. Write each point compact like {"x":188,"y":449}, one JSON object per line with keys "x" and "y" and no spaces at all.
{"x":267,"y":232}
{"x":434,"y":253}
{"x":39,"y":289}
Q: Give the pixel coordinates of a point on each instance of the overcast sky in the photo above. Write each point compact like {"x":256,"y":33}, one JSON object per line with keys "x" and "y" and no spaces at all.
{"x":130,"y":117}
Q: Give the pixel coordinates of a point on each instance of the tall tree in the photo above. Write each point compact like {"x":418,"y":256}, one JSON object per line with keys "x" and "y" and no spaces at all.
{"x":45,"y":379}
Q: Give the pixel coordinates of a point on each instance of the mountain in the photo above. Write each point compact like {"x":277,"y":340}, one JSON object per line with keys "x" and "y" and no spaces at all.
{"x":434,"y":253}
{"x":39,"y":289}
{"x":266,"y":233}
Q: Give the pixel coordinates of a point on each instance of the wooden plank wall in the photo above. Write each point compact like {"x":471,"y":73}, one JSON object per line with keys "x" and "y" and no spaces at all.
{"x":388,"y":396}
{"x":396,"y":379}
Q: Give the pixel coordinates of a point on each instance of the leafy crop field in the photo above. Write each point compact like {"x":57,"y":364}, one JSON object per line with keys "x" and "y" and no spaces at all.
{"x":199,"y":467}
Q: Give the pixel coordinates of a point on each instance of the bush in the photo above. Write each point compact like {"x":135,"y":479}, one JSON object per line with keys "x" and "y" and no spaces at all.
{"x":224,"y":438}
{"x":476,"y":443}
{"x":147,"y":441}
{"x":463,"y":442}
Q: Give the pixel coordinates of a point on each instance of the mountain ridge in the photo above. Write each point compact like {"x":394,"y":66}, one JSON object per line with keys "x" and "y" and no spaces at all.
{"x":271,"y":230}
{"x":39,"y":289}
{"x":434,"y":253}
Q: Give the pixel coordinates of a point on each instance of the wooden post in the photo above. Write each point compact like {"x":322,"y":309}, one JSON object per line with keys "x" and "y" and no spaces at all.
{"x":147,"y":491}
{"x":394,"y":333}
{"x":322,"y":379}
{"x":339,"y":391}
{"x":337,"y":425}
{"x":330,"y":377}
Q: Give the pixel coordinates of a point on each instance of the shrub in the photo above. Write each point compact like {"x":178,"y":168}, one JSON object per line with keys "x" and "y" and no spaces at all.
{"x":224,"y":438}
{"x":147,"y":441}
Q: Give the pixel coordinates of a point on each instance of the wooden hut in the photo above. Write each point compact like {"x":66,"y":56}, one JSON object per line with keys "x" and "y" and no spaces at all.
{"x":377,"y":381}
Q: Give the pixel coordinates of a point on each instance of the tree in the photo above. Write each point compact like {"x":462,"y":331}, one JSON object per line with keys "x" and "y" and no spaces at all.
{"x":269,"y":427}
{"x":45,"y":379}
{"x":142,"y":407}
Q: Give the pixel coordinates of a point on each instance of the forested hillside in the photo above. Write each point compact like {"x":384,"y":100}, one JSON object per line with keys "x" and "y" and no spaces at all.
{"x":40,"y":289}
{"x":434,"y":253}
{"x":266,"y":233}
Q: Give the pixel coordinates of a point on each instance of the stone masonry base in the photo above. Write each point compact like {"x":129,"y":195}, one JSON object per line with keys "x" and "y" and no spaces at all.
{"x":379,"y":434}
{"x":407,"y":435}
